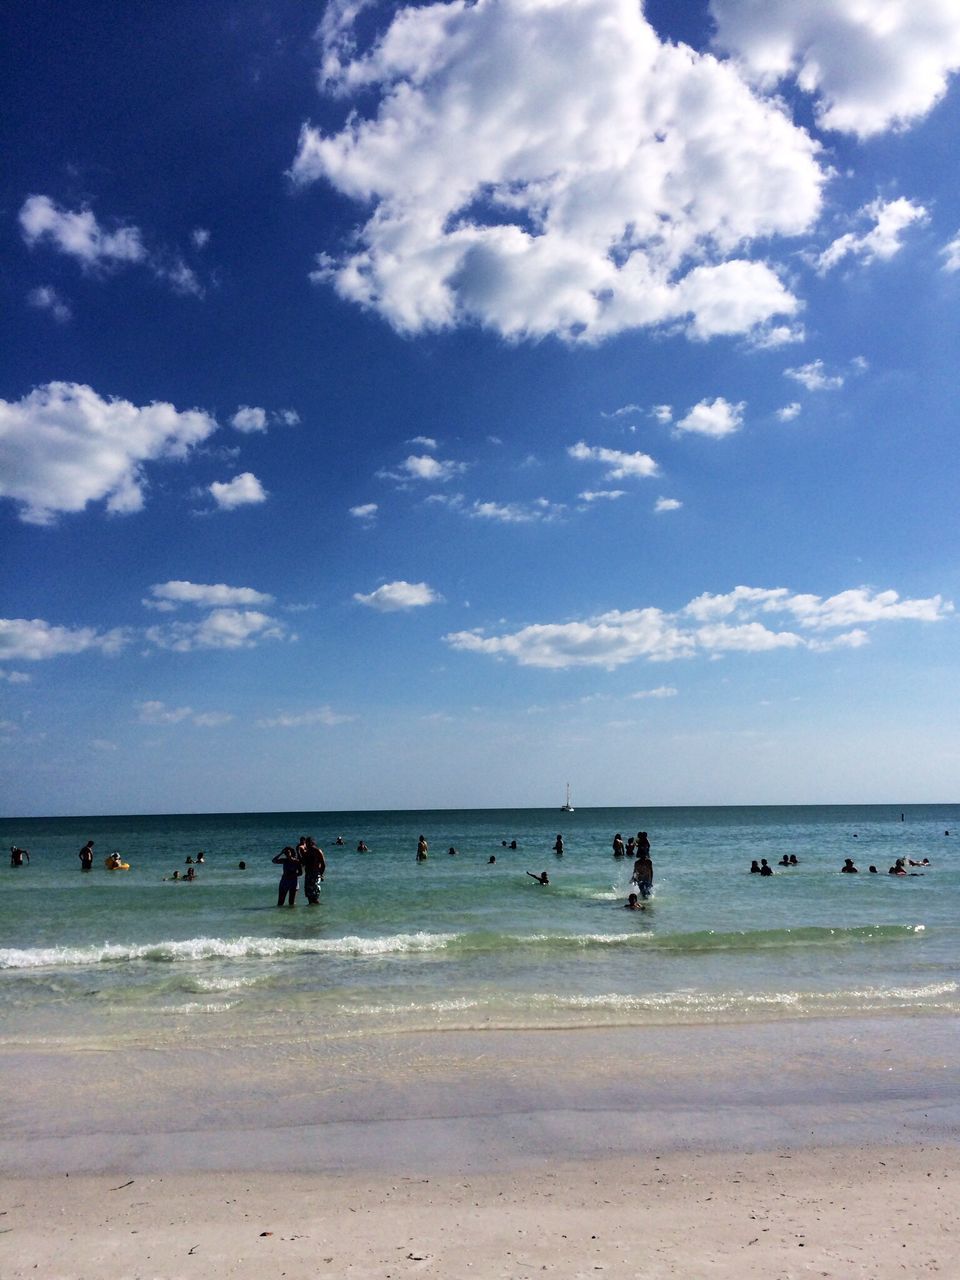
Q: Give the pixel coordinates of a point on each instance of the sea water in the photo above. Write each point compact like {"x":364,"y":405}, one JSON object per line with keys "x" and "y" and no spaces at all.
{"x":460,"y":942}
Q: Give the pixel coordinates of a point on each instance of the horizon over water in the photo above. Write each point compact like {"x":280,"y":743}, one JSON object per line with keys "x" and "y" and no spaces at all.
{"x":460,"y":943}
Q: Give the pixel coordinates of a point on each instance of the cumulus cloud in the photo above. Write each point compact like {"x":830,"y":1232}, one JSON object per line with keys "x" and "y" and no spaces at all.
{"x":79,"y":235}
{"x":735,"y":622}
{"x":789,"y":411}
{"x":814,"y":377}
{"x":170,"y":595}
{"x":63,"y":445}
{"x":158,"y":713}
{"x":425,"y":442}
{"x":715,"y":418}
{"x":33,"y":640}
{"x":241,"y":491}
{"x":249,"y":418}
{"x":424,"y":467}
{"x":870,"y":66}
{"x":366,"y":511}
{"x":667,"y":504}
{"x":951,"y":254}
{"x":662,"y":413}
{"x":305,"y":719}
{"x":200,"y":237}
{"x":46,"y":298}
{"x":220,"y":629}
{"x":541,"y":509}
{"x":890,"y":219}
{"x":395,"y":596}
{"x":620,"y":465}
{"x":631,"y":201}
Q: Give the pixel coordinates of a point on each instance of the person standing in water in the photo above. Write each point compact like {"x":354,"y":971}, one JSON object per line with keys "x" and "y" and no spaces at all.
{"x":558,"y":845}
{"x":314,"y":868}
{"x":422,"y":849}
{"x":292,"y":869}
{"x":17,"y":855}
{"x":618,"y":849}
{"x":86,"y":856}
{"x":643,"y":872}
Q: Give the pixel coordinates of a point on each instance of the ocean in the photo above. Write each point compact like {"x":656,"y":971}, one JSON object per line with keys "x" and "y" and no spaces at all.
{"x":459,"y":943}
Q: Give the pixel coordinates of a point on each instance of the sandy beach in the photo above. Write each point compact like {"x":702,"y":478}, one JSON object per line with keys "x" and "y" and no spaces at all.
{"x":788,"y":1149}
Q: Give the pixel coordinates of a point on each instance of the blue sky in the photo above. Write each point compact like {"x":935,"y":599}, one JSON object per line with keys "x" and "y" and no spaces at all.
{"x":426,"y":406}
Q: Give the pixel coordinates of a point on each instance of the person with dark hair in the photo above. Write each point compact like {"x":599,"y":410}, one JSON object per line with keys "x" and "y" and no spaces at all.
{"x":542,"y":878}
{"x":292,"y":869}
{"x":314,"y":869}
{"x":17,"y":856}
{"x":86,"y":856}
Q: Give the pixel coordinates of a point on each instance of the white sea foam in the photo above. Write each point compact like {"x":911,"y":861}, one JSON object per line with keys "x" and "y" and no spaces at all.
{"x":242,"y":948}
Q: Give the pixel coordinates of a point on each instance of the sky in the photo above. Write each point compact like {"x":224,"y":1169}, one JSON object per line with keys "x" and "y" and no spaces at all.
{"x":427,"y":406}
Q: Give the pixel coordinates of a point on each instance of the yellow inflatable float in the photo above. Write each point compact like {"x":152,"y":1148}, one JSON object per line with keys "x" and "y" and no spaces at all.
{"x":114,"y":863}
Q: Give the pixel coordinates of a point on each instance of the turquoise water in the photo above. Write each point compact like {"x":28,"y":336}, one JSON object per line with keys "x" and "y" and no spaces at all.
{"x":457,"y":942}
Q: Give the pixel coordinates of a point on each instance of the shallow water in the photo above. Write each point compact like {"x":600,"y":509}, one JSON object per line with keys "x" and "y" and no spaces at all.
{"x":457,"y":942}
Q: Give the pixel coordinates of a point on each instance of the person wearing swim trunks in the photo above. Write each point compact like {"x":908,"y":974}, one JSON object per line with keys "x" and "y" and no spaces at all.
{"x":314,"y":868}
{"x":86,"y":856}
{"x":643,"y":874}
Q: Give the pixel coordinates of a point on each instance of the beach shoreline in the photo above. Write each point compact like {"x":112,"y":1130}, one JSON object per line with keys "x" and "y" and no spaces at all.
{"x":720,"y":1150}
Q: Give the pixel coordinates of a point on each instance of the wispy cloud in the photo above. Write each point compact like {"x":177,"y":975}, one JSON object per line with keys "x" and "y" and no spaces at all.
{"x":153,"y":712}
{"x":884,"y":239}
{"x":424,"y":467}
{"x":46,"y":298}
{"x":619,"y":465}
{"x":325,"y":716}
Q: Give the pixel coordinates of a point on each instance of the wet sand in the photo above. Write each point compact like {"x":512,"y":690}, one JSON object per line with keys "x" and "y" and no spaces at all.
{"x":783,"y":1148}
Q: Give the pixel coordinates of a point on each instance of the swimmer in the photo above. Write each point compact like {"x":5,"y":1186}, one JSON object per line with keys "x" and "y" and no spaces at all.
{"x":924,"y":863}
{"x":542,"y":878}
{"x":339,"y":841}
{"x":362,"y":848}
{"x":175,"y":876}
{"x":873,"y":871}
{"x":898,"y":869}
{"x":633,"y":903}
{"x":491,"y":859}
{"x":452,"y":852}
{"x":794,"y":861}
{"x":765,"y":869}
{"x":513,"y":844}
{"x":292,"y":869}
{"x":86,"y":856}
{"x":241,"y":866}
{"x":112,"y":863}
{"x":188,"y":860}
{"x":784,"y":861}
{"x":200,"y":858}
{"x":422,"y":849}
{"x":754,"y":868}
{"x":849,"y":868}
{"x":618,"y":850}
{"x":643,"y":871}
{"x":558,"y":845}
{"x":17,"y":856}
{"x":314,"y":869}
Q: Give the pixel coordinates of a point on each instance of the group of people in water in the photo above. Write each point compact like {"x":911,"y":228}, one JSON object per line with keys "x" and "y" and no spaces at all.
{"x":899,"y":868}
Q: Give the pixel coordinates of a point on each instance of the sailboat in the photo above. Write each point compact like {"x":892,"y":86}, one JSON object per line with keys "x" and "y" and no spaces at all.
{"x":567,"y":807}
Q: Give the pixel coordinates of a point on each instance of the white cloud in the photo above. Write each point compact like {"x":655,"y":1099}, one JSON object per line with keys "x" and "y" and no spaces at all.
{"x":620,"y":464}
{"x":366,"y":511}
{"x":220,"y":629}
{"x":33,"y":640}
{"x":204,"y":595}
{"x":425,"y":442}
{"x":715,"y":418}
{"x":625,"y":410}
{"x":541,"y":509}
{"x":890,"y":219}
{"x":241,"y":491}
{"x":814,"y":377}
{"x":662,"y":413}
{"x":667,"y":504}
{"x":630,"y":201}
{"x":424,"y":467}
{"x":770,"y":337}
{"x":249,"y":419}
{"x":158,"y":713}
{"x":289,"y":417}
{"x":870,"y":65}
{"x":661,"y":691}
{"x":45,"y":298}
{"x":721,"y":624}
{"x":304,"y":719}
{"x":789,"y":411}
{"x":79,"y":235}
{"x":601,"y":495}
{"x":951,"y":254}
{"x":15,"y":677}
{"x":200,"y":237}
{"x":394,"y":596}
{"x":63,"y":446}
